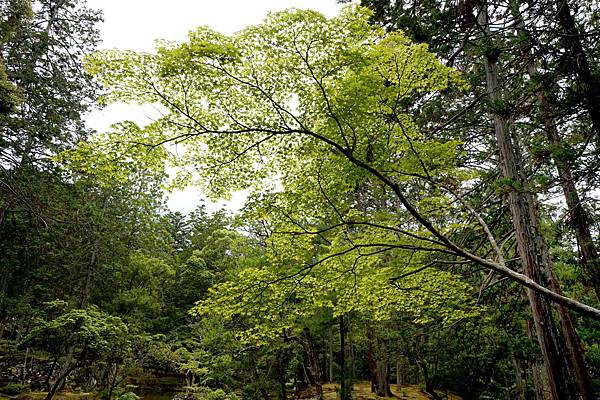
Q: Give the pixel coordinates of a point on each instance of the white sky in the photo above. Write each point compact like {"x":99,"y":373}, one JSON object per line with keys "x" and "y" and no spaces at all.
{"x":136,"y":24}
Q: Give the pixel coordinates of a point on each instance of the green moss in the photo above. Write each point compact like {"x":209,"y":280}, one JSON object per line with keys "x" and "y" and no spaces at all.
{"x":13,"y":389}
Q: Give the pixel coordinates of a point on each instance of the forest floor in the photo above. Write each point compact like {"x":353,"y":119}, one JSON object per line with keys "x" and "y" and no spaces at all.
{"x":362,"y":391}
{"x":57,"y":396}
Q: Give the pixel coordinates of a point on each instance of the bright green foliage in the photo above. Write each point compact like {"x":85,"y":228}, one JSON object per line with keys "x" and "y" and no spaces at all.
{"x":107,"y":163}
{"x":268,"y":99}
{"x":192,"y":365}
{"x":94,"y":334}
{"x":278,"y":300}
{"x":322,"y":119}
{"x":282,"y":100}
{"x":129,"y":396}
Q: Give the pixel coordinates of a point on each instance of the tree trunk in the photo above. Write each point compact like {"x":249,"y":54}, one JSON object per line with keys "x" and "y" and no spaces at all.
{"x":579,"y":65}
{"x":371,"y":360}
{"x":312,"y":363}
{"x":427,"y":380}
{"x":67,"y":365}
{"x":60,"y":381}
{"x":352,"y":372}
{"x":330,"y":355}
{"x":87,"y":286}
{"x":580,"y":222}
{"x":25,"y":366}
{"x":578,"y":217}
{"x":383,"y":368}
{"x":536,"y":368}
{"x":399,"y":373}
{"x":381,"y":379}
{"x":345,"y":393}
{"x":573,"y":348}
{"x":530,"y":243}
{"x":520,"y":384}
{"x":383,"y":383}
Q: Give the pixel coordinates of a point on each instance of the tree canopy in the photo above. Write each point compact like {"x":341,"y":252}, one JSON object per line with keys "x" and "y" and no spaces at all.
{"x":400,"y":160}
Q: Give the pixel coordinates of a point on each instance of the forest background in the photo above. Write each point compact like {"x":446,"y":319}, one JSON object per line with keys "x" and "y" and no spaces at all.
{"x":422,"y":204}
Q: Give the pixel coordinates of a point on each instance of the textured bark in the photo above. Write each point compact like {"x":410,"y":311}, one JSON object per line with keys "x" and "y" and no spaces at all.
{"x":540,"y":380}
{"x":531,"y":246}
{"x":383,"y":384}
{"x":590,"y":259}
{"x":580,"y":222}
{"x":574,"y":350}
{"x":579,"y":64}
{"x":578,"y":216}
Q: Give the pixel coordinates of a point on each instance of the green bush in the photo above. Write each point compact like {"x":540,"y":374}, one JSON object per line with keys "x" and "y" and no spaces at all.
{"x":14,"y":388}
{"x":220,"y":394}
{"x":129,"y":396}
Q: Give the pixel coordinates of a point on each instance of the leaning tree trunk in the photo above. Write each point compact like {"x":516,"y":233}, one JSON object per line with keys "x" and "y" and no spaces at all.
{"x":589,"y":259}
{"x":579,"y":220}
{"x":530,"y":242}
{"x":578,"y":216}
{"x":312,"y":363}
{"x":60,"y":380}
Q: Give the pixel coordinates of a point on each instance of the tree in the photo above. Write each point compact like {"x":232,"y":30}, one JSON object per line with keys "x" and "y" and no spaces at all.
{"x":13,"y":14}
{"x":43,"y":43}
{"x":324,"y":74}
{"x":330,"y":106}
{"x":91,"y":334}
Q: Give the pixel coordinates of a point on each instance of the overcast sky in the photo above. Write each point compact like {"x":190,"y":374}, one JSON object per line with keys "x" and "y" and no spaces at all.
{"x":135,"y":24}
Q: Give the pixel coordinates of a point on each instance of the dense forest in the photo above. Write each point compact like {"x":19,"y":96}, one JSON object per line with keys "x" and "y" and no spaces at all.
{"x":422,"y":219}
